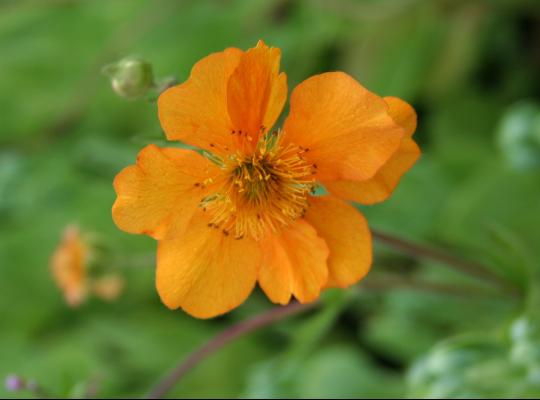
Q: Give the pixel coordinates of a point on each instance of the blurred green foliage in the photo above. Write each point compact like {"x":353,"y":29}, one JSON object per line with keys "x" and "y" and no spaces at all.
{"x":470,"y":68}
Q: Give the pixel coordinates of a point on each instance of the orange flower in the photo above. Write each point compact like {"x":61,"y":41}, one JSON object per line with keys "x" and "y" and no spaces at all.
{"x":245,"y":211}
{"x":69,"y":267}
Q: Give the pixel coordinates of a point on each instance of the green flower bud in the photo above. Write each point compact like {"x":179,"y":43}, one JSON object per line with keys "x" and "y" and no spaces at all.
{"x":130,"y":77}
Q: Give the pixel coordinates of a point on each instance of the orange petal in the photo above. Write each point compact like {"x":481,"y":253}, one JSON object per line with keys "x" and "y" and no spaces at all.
{"x":257,"y":91}
{"x":346,"y":128}
{"x":402,"y":113}
{"x":294,"y":263}
{"x":68,"y":266}
{"x":381,"y":186}
{"x":196,"y":112}
{"x":346,"y":233}
{"x":159,"y":194}
{"x":206,"y":273}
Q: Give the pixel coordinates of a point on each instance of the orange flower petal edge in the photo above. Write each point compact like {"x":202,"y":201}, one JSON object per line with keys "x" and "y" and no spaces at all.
{"x":229,"y":101}
{"x":196,"y":111}
{"x":159,"y":195}
{"x":206,"y":273}
{"x":294,"y":264}
{"x":385,"y":181}
{"x":256,"y":93}
{"x":346,"y":130}
{"x":346,"y":233}
{"x":246,"y":212}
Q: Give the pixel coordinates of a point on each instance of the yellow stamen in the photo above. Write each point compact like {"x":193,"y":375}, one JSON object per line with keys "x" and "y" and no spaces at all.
{"x":261,"y":192}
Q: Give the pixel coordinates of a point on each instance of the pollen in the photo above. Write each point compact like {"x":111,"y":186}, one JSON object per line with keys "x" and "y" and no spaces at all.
{"x":262,"y":192}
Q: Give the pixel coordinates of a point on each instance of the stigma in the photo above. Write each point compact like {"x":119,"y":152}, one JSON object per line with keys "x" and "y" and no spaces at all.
{"x":262,"y":191}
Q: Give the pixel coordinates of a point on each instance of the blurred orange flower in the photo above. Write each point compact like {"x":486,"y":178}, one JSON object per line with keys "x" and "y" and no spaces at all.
{"x":246,"y":212}
{"x":69,"y":267}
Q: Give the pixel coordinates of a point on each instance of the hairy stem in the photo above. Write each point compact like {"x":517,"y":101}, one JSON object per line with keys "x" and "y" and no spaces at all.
{"x":276,"y":314}
{"x":393,"y":282}
{"x":419,"y":251}
{"x":228,"y":335}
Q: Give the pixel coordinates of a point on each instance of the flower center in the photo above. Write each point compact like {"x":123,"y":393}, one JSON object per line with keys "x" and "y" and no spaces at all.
{"x":261,"y":192}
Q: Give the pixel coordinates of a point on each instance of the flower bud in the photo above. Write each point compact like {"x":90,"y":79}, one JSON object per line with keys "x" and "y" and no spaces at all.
{"x":130,"y":77}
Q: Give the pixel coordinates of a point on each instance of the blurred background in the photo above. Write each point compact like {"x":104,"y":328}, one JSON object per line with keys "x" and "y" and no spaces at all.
{"x":415,"y":328}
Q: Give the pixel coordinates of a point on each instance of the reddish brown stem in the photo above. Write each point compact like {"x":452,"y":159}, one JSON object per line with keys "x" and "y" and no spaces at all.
{"x":418,"y":251}
{"x":222,"y":339}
